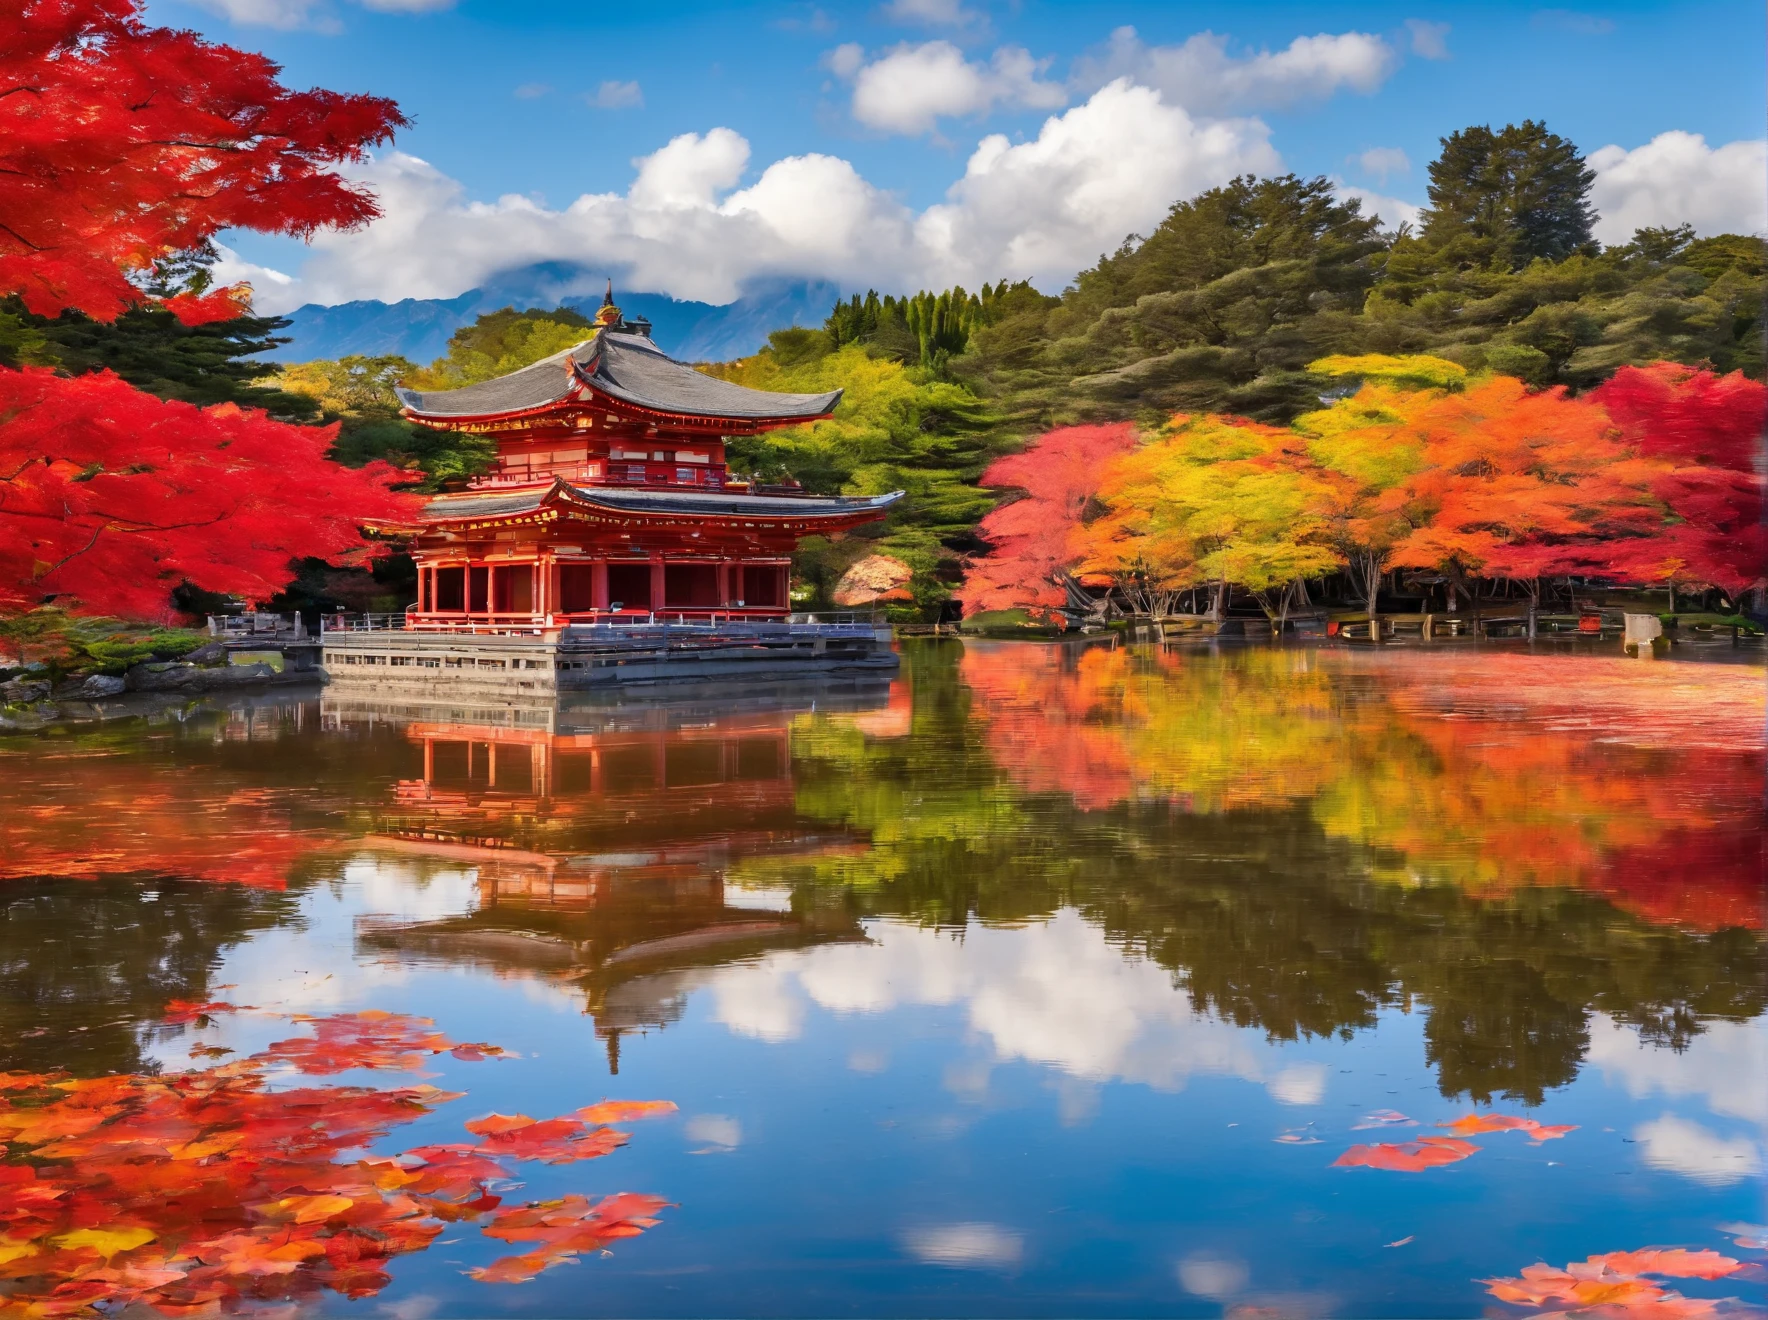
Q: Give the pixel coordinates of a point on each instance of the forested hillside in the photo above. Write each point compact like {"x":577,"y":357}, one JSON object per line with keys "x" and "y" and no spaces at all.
{"x":1222,"y":307}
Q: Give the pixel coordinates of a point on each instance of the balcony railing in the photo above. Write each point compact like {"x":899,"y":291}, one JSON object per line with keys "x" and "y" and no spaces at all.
{"x":687,"y":620}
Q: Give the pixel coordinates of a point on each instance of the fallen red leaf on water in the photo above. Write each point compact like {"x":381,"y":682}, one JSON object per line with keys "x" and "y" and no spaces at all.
{"x":1473,"y":1125}
{"x":1611,"y":1285}
{"x":1409,"y":1156}
{"x":565,"y":1228}
{"x":1674,"y":1262}
{"x":624,"y":1111}
{"x":552,"y":1140}
{"x":204,"y":1191}
{"x":371,"y":1039}
{"x":476,"y":1051}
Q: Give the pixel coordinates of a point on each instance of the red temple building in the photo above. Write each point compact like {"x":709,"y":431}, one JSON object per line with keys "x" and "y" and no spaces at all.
{"x":610,"y":500}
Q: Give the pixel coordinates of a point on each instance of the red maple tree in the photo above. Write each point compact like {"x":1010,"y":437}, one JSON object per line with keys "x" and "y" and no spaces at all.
{"x":1030,"y":560}
{"x":123,"y":145}
{"x":114,"y":497}
{"x":1700,"y":433}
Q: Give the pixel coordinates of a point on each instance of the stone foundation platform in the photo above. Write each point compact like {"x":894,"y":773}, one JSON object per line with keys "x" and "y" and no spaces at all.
{"x":509,"y":664}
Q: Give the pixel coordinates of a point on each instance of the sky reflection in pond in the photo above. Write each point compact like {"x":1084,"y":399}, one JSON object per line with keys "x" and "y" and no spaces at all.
{"x":1045,"y":982}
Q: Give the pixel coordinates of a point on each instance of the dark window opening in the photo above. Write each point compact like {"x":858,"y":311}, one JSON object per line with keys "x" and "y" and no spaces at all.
{"x":630,"y":584}
{"x":515,"y":589}
{"x":690,"y":585}
{"x":478,"y":590}
{"x":450,"y":589}
{"x":764,"y":585}
{"x":576,"y":588}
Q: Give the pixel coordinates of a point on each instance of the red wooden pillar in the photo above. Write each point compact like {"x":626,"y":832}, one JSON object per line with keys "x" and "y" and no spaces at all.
{"x":598,"y":584}
{"x":657,"y":584}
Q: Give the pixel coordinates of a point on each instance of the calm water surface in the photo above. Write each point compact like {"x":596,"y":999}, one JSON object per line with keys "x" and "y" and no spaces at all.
{"x":1044,"y":981}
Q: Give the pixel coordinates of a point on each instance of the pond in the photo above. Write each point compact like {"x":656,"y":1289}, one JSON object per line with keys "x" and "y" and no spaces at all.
{"x":1041,"y":980}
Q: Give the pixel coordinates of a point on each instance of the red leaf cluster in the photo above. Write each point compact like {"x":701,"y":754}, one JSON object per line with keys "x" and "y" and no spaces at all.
{"x":194,"y":1191}
{"x":372,"y":1039}
{"x":1613,"y":1284}
{"x":1059,"y":473}
{"x":114,"y":497}
{"x":1473,"y":1125}
{"x":1407,"y":1156}
{"x":565,"y":1228}
{"x":121,"y":144}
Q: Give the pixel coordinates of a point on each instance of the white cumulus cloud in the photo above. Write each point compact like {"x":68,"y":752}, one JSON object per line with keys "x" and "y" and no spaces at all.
{"x":1392,"y":211}
{"x":1039,"y":210}
{"x":1676,"y":178}
{"x":1201,"y":75}
{"x":317,"y":15}
{"x":1678,"y":1146}
{"x":910,"y":88}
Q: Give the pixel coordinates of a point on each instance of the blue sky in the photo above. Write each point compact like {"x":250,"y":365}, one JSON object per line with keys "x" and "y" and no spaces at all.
{"x":549,"y":102}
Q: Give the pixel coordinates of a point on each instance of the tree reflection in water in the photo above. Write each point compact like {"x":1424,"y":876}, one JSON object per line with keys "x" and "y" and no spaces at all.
{"x":1305,"y":838}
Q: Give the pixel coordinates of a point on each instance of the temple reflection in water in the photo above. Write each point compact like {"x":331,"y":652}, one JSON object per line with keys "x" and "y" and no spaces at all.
{"x":601,"y":836}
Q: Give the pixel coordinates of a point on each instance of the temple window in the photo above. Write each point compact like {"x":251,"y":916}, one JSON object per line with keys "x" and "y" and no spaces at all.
{"x":630,"y":584}
{"x":449,"y":590}
{"x":690,"y":586}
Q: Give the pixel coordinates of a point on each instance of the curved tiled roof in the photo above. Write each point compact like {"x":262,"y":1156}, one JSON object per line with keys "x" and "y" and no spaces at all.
{"x":509,"y":504}
{"x":624,"y":366}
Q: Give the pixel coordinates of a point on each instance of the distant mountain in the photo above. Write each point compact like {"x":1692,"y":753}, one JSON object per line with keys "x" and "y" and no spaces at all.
{"x":418,"y":328}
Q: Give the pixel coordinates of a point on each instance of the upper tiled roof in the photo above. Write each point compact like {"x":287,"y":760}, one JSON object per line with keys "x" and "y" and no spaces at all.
{"x":625,"y":366}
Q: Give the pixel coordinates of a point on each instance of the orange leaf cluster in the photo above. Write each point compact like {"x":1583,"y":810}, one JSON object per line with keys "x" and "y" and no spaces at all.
{"x":552,"y":1140}
{"x":1473,"y":1125}
{"x":372,"y":1039}
{"x":1613,"y":1284}
{"x":200,"y":1190}
{"x":1407,"y":1156}
{"x":565,"y":1228}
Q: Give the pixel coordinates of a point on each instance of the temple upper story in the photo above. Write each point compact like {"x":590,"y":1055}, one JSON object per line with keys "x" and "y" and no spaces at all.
{"x":611,"y":498}
{"x":614,"y":410}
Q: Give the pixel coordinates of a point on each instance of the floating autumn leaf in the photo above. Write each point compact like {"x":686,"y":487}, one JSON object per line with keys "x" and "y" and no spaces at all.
{"x":624,"y":1111}
{"x":552,"y":1140}
{"x":565,"y":1228}
{"x":1409,"y":1156}
{"x":207,"y":1189}
{"x":1473,"y":1125}
{"x":1752,"y":1236}
{"x":371,"y":1039}
{"x":1613,"y":1284}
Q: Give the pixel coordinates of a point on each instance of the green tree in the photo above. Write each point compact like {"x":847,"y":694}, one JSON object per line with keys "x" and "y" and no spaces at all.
{"x":1511,"y":196}
{"x":897,"y":428}
{"x":503,"y":341}
{"x":1219,"y":310}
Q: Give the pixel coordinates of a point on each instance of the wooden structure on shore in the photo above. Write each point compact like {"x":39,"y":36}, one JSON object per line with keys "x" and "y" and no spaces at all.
{"x":611,"y":499}
{"x":610,"y":543}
